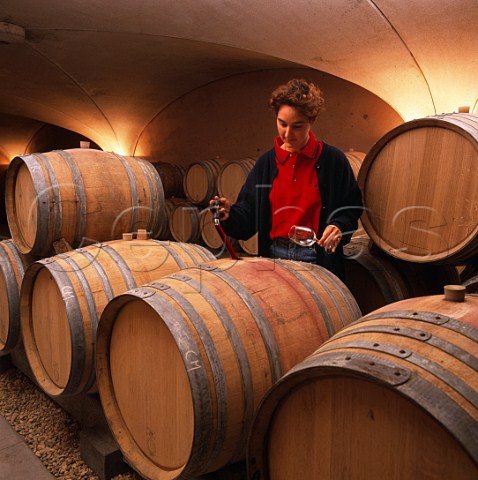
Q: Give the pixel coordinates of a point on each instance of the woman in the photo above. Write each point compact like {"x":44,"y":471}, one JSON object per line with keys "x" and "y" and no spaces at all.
{"x":300,"y":181}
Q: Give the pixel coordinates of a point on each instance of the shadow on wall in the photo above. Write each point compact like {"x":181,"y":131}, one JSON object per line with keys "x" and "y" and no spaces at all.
{"x":230,"y":118}
{"x":51,"y":137}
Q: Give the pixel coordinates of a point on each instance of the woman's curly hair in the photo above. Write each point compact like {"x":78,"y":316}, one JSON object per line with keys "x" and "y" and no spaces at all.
{"x":298,"y":93}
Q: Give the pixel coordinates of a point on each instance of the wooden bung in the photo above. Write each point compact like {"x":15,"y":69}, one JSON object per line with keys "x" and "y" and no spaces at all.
{"x":455,"y":293}
{"x":142,"y":234}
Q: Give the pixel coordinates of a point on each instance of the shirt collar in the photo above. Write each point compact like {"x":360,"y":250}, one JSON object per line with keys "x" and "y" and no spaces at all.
{"x":309,"y":150}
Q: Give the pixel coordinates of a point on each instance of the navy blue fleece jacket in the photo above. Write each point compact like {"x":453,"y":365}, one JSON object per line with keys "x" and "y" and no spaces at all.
{"x":341,"y":204}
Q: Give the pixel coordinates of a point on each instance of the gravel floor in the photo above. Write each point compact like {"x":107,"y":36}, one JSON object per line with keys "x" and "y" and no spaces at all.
{"x":48,"y":430}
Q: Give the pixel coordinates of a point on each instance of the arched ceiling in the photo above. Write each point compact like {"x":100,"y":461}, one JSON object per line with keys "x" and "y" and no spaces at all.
{"x":105,"y":69}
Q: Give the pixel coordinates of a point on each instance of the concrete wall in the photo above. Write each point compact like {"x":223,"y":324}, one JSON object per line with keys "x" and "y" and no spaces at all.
{"x":230,"y":118}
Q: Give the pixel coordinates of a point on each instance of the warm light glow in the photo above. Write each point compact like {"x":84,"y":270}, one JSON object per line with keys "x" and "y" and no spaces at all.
{"x":10,"y":151}
{"x":410,"y":111}
{"x":120,"y":151}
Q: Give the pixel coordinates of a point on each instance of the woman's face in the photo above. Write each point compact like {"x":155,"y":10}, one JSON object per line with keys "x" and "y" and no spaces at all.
{"x":293,"y":128}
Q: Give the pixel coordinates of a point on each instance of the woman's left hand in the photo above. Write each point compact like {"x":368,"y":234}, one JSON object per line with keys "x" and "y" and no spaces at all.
{"x":330,"y":239}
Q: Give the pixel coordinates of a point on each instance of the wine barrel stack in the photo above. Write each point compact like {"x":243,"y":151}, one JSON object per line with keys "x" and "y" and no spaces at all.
{"x":60,"y":200}
{"x":189,"y":217}
{"x":116,"y":286}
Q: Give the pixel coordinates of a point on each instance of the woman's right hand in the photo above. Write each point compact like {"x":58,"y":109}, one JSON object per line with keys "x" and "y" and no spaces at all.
{"x":224,"y":208}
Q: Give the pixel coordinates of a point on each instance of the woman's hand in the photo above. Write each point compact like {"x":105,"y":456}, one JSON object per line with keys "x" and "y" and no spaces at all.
{"x":330,"y":238}
{"x":224,"y":208}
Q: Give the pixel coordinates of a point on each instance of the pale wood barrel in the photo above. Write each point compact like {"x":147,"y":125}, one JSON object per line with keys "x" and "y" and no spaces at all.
{"x":200,"y":180}
{"x":219,"y":336}
{"x":420,"y":190}
{"x":62,"y":298}
{"x":232,"y":176}
{"x":185,"y":222}
{"x":165,"y":230}
{"x":250,"y":245}
{"x":172,"y":178}
{"x":355,"y":160}
{"x":376,"y":279}
{"x":81,"y":195}
{"x":12,"y":269}
{"x":395,"y":396}
{"x":210,"y":235}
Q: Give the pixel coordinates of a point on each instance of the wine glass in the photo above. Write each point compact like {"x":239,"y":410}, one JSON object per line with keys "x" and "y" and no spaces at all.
{"x":304,"y":236}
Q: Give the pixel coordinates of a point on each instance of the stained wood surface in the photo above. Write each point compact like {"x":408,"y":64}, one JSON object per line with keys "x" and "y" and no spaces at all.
{"x":237,"y":326}
{"x":420,"y":190}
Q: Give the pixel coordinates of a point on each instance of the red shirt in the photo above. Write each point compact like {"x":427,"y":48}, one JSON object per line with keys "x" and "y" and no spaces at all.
{"x":295,"y":197}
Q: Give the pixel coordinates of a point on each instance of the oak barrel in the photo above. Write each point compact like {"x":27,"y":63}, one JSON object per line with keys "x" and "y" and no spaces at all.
{"x":218,"y":336}
{"x":231,"y":177}
{"x":165,"y":230}
{"x":12,"y":269}
{"x":172,"y":178}
{"x":81,"y":195}
{"x":62,"y":298}
{"x":394,"y":395}
{"x":210,"y":235}
{"x":200,"y":180}
{"x":185,"y":222}
{"x":355,"y":160}
{"x":376,"y":279}
{"x":250,"y":245}
{"x":420,"y":191}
